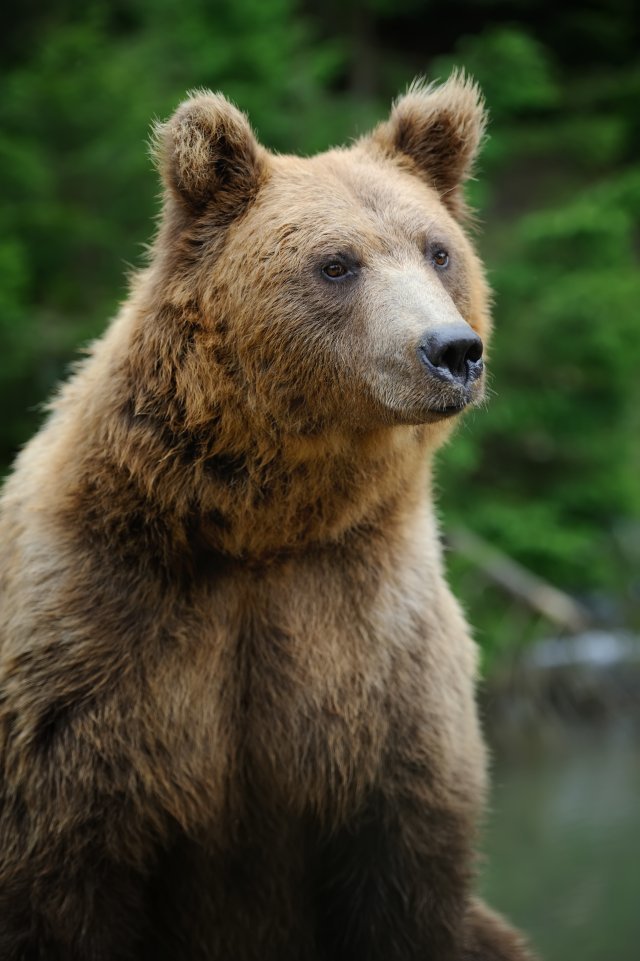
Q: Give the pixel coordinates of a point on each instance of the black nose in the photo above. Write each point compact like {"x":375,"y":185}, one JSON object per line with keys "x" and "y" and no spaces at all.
{"x":452,"y":353}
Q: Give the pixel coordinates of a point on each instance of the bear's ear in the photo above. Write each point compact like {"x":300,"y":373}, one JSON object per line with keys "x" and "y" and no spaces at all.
{"x":207,"y":152}
{"x":438,"y":128}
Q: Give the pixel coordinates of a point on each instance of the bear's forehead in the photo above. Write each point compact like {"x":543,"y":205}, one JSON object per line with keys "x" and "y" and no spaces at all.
{"x":351,"y":195}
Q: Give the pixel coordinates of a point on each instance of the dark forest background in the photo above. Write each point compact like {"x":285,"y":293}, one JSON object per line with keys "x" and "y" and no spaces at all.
{"x":548,"y":472}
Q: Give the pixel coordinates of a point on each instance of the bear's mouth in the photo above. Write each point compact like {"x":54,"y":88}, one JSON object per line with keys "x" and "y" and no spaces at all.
{"x":420,"y":396}
{"x":449,"y":410}
{"x":452,"y":409}
{"x":452,"y":402}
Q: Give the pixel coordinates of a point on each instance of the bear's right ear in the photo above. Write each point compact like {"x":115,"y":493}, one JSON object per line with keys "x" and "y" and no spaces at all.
{"x":206,"y":152}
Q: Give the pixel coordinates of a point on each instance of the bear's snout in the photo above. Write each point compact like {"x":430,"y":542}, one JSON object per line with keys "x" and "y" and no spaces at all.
{"x":452,"y":353}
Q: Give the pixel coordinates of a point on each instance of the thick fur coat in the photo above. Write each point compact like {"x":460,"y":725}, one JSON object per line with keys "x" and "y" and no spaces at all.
{"x":237,"y":714}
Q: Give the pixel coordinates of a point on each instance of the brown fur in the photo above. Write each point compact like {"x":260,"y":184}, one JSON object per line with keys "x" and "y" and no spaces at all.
{"x":236,"y":695}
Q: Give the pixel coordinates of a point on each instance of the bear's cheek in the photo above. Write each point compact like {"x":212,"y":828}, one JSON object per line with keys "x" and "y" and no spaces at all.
{"x":290,"y":355}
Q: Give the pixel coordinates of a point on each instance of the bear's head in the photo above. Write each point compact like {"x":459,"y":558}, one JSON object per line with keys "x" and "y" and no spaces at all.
{"x":338,"y":291}
{"x":307,"y":329}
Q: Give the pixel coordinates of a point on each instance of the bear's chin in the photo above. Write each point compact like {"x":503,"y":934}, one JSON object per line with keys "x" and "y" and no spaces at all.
{"x":426,"y":416}
{"x":419,"y":409}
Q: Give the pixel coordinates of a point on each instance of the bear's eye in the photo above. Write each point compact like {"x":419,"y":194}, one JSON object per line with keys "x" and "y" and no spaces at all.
{"x":335,"y":270}
{"x":440,"y":258}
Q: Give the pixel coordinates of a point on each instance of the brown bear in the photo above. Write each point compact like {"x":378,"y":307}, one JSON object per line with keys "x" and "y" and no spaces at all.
{"x":237,"y":712}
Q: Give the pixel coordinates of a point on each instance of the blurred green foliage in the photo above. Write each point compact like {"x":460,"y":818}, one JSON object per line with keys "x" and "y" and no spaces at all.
{"x":549,"y":471}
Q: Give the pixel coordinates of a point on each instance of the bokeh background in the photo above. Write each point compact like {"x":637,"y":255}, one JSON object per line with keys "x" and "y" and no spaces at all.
{"x":539,"y":492}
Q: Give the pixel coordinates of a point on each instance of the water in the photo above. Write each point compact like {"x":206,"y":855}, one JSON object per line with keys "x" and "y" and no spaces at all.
{"x":562,"y":842}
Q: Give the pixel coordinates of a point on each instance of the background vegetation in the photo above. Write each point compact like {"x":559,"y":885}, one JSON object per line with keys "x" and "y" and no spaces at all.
{"x":549,"y":471}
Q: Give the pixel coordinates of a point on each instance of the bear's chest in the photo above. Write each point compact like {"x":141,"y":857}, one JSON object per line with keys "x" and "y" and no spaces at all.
{"x":300,"y":691}
{"x":304,"y":686}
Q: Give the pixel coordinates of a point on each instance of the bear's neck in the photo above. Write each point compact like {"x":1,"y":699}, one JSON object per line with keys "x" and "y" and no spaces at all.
{"x":258,"y":502}
{"x":306,"y":493}
{"x":153,"y":476}
{"x":138,"y":491}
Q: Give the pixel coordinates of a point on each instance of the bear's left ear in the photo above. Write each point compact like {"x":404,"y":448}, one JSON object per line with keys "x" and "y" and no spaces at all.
{"x":207,"y":153}
{"x":439,"y":129}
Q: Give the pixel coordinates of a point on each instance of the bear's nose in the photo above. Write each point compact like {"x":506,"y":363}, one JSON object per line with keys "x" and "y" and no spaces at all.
{"x":452,"y":353}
